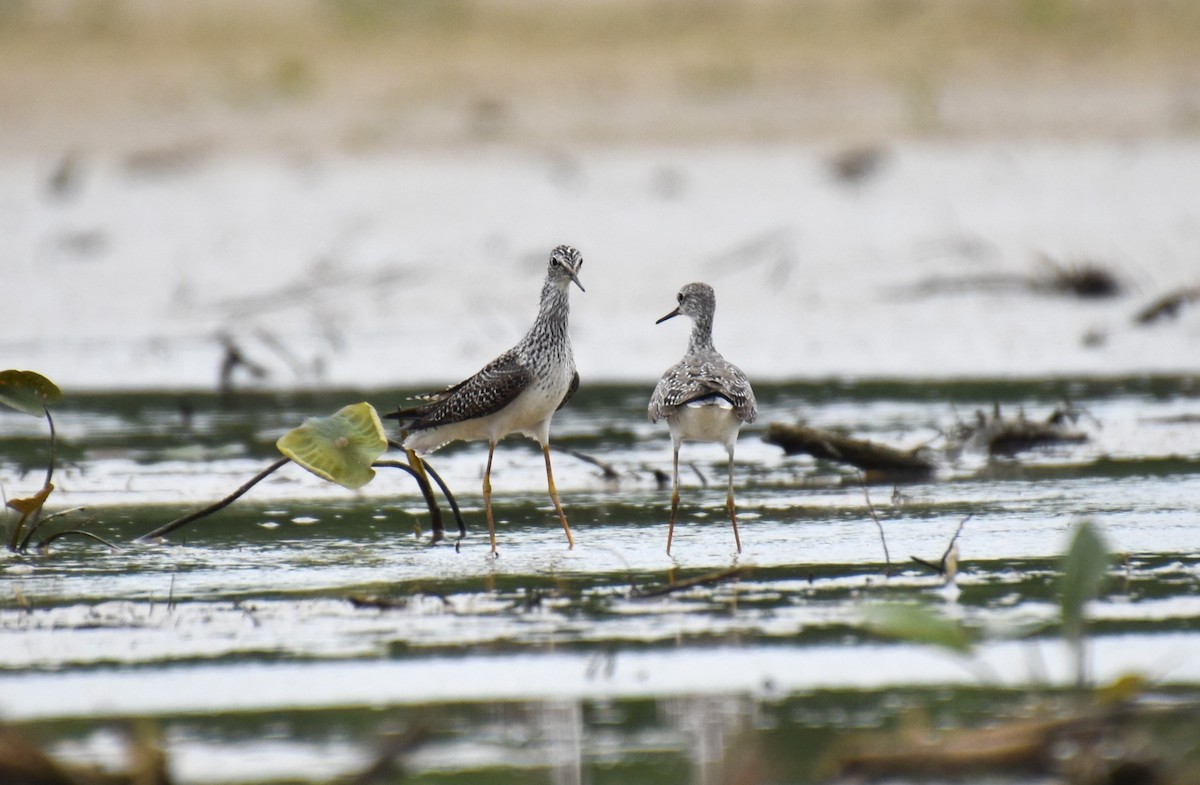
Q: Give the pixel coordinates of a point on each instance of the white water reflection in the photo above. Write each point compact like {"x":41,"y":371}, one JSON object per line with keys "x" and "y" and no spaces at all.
{"x":1166,"y":658}
{"x":398,"y":270}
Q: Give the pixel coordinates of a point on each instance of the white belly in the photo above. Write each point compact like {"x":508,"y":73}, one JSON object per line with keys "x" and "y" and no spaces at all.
{"x":711,"y":420}
{"x":529,"y":414}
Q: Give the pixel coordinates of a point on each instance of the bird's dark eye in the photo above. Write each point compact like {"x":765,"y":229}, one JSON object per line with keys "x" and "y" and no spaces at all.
{"x":554,"y":262}
{"x":679,"y":297}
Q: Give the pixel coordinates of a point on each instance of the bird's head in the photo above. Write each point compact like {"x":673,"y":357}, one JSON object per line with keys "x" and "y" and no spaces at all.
{"x":565,"y":262}
{"x":695,"y":300}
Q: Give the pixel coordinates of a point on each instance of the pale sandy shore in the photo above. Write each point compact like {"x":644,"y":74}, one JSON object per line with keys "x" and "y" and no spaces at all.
{"x":136,"y":77}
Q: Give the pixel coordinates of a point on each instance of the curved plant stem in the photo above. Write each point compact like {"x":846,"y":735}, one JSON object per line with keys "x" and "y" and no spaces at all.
{"x":35,"y":519}
{"x":438,"y":532}
{"x":426,"y":467}
{"x":462,"y":527}
{"x":53,"y":447}
{"x":24,"y":546}
{"x":887,"y":558}
{"x":81,"y":533}
{"x":167,"y":528}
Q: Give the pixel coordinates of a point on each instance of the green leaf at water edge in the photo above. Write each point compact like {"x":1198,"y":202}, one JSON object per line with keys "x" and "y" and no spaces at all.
{"x":27,"y":391}
{"x":339,"y":448}
{"x":916,"y":624}
{"x":1083,"y":570}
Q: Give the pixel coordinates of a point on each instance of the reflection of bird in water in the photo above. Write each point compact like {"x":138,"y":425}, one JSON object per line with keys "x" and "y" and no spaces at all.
{"x":703,"y":397}
{"x":518,"y":392}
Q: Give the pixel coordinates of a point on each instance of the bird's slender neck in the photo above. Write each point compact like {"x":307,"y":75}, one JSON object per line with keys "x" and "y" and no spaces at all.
{"x":551,"y":322}
{"x":701,"y":340}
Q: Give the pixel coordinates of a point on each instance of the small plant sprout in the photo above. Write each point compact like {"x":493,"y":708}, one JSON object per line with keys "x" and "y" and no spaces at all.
{"x":1084,"y":568}
{"x":341,"y":448}
{"x":917,"y":623}
{"x":32,"y":393}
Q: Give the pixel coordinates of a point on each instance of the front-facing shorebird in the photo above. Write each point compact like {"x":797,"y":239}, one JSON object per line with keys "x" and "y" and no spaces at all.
{"x":518,"y":392}
{"x":703,"y":397}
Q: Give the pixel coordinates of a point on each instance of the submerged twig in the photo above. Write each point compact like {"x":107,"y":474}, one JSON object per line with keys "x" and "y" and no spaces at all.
{"x":941,"y":567}
{"x":871,"y":509}
{"x":80,"y":532}
{"x":1168,"y":306}
{"x":606,"y":468}
{"x":24,"y":546}
{"x":700,"y":580}
{"x":377,"y":603}
{"x":387,"y":766}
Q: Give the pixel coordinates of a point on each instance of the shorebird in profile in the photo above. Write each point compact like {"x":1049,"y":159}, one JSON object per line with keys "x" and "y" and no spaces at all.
{"x":703,"y":397}
{"x":518,"y":392}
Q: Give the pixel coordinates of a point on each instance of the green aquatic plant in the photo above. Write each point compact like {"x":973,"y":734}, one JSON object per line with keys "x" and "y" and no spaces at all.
{"x":1084,"y":568}
{"x":1083,"y":571}
{"x":342,"y":448}
{"x":917,"y":623}
{"x":31,"y":393}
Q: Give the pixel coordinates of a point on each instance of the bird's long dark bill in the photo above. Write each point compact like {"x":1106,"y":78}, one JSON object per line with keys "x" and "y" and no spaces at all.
{"x":671,"y":315}
{"x":575,"y":278}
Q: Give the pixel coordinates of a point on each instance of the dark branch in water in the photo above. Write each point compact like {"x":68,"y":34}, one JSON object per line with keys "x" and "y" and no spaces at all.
{"x":78,"y":532}
{"x":887,"y":558}
{"x":606,"y":468}
{"x":859,"y":453}
{"x":1010,"y":435}
{"x":1168,"y":306}
{"x":707,"y":579}
{"x":388,"y":765}
{"x":940,"y":568}
{"x":167,"y":528}
{"x":24,"y":546}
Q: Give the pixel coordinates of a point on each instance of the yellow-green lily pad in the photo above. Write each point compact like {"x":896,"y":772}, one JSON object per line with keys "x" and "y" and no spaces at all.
{"x":27,"y":391}
{"x":339,"y":448}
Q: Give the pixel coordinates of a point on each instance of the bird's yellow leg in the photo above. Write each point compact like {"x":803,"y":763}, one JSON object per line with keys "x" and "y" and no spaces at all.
{"x":674,"y":499}
{"x":729,"y":506}
{"x":487,"y":496}
{"x":562,"y":516}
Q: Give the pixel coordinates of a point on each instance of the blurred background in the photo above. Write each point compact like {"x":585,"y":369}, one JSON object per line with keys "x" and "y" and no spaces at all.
{"x":924,"y":221}
{"x":361,"y":192}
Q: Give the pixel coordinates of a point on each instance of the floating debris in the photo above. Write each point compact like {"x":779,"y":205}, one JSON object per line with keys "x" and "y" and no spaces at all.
{"x":1084,"y":279}
{"x":1168,"y":306}
{"x":855,"y":165}
{"x":860,"y":453}
{"x":1029,"y":746}
{"x":64,"y":180}
{"x":1000,"y":435}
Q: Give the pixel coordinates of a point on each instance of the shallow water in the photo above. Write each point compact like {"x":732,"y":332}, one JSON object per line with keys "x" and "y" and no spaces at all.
{"x":293,"y":631}
{"x":288,"y":637}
